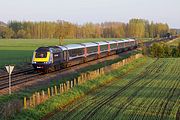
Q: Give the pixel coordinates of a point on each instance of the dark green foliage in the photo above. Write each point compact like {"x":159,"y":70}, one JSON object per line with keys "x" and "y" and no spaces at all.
{"x":162,"y":50}
{"x":178,"y":49}
{"x":167,"y":50}
{"x":174,"y":52}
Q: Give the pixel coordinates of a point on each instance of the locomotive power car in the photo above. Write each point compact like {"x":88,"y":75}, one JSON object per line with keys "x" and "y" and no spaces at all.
{"x":52,"y":58}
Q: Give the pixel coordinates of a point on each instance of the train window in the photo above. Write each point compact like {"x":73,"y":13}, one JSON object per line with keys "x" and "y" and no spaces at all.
{"x":41,"y":55}
{"x":121,"y":45}
{"x":76,"y":52}
{"x":113,"y":46}
{"x":126,"y":44}
{"x":92,"y":49}
{"x":104,"y":47}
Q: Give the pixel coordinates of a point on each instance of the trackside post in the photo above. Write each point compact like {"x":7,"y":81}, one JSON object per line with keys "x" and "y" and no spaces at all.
{"x":9,"y":69}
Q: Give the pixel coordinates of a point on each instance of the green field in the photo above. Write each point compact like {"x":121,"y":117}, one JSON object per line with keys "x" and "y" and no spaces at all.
{"x":16,"y":51}
{"x":151,"y":92}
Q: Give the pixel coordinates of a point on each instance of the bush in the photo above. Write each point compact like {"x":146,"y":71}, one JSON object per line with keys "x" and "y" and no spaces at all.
{"x":162,"y":50}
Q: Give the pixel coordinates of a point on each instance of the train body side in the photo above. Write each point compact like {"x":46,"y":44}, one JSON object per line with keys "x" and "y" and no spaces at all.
{"x":56,"y":57}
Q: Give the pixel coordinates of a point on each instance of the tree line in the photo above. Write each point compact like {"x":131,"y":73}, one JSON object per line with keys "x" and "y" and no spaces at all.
{"x":162,"y":50}
{"x":40,"y":30}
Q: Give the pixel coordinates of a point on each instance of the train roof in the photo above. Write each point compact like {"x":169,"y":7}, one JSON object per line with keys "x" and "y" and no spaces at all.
{"x":74,"y":46}
{"x":42,"y":49}
{"x":131,"y":39}
{"x":81,"y":45}
{"x":48,"y":48}
{"x":101,"y":43}
{"x":112,"y":42}
{"x":90,"y":44}
{"x":118,"y":41}
{"x":127,"y":40}
{"x":63,"y":48}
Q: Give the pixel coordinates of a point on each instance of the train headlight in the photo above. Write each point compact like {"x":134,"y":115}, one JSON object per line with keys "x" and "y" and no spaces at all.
{"x":47,"y":62}
{"x":33,"y":62}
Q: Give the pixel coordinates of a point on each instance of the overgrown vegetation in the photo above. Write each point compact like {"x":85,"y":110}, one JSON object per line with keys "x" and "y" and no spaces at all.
{"x":162,"y":50}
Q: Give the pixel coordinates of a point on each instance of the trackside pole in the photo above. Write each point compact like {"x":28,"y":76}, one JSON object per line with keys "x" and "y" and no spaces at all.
{"x":9,"y":69}
{"x":9,"y":83}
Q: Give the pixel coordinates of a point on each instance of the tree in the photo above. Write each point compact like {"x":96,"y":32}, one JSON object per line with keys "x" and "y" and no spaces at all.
{"x":136,"y":28}
{"x":6,"y":32}
{"x":15,"y":26}
{"x":157,"y":50}
{"x":152,"y":30}
{"x":21,"y":34}
{"x":167,"y":50}
{"x":40,"y":30}
{"x":164,"y":50}
{"x":174,"y":52}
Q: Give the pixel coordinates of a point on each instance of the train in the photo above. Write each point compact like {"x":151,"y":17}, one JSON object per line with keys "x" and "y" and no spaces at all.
{"x":51,"y":58}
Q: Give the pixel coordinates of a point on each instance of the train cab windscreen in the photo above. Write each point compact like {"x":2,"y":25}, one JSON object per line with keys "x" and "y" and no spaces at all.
{"x":41,"y":55}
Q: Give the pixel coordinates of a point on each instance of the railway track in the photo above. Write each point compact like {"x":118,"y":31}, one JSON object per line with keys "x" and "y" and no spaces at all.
{"x":18,"y":77}
{"x":23,"y":77}
{"x":16,"y":73}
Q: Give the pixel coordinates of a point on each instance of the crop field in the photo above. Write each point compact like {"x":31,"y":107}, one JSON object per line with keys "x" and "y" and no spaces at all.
{"x":16,"y":51}
{"x":152,"y":93}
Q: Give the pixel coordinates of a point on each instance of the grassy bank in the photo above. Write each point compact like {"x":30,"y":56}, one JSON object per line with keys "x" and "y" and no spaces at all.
{"x":78,"y":91}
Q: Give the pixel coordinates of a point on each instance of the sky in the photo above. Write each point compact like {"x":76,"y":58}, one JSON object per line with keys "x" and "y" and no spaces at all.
{"x":96,"y":11}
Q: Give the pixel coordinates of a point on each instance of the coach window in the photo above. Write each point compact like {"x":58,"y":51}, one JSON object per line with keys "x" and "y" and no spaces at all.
{"x":71,"y":53}
{"x":120,"y":45}
{"x":104,"y":47}
{"x":92,"y":49}
{"x":113,"y":46}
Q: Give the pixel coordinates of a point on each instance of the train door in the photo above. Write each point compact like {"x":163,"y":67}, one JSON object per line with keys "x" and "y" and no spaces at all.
{"x":65,"y":56}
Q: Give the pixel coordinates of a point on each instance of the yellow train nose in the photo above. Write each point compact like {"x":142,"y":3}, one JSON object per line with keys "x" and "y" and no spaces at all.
{"x":41,"y":59}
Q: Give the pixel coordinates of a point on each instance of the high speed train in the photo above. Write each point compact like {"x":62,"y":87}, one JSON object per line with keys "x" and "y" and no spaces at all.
{"x":52,"y":58}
